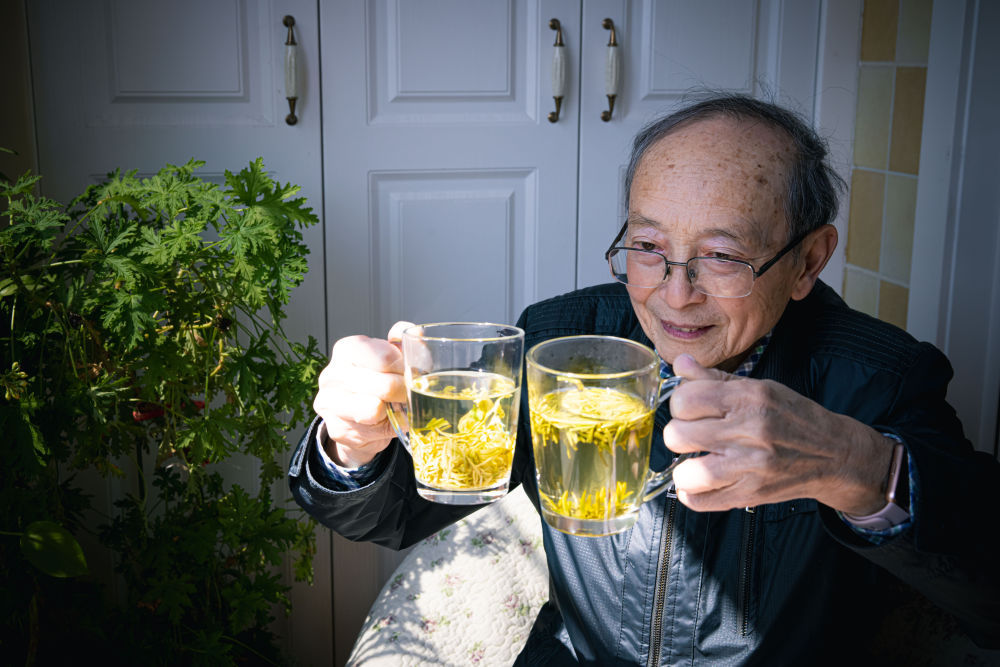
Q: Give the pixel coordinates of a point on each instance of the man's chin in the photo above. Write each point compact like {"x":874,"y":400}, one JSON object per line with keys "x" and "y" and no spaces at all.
{"x":669,"y":351}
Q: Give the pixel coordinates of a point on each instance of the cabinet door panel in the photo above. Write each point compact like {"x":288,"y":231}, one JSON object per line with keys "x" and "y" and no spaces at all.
{"x":685,"y":45}
{"x":419,"y":222}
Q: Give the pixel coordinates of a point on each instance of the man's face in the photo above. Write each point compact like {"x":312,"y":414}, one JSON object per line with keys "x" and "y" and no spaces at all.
{"x":712,"y":188}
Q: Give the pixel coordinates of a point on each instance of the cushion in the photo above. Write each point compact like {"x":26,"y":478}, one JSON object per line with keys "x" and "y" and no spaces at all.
{"x":467,"y":594}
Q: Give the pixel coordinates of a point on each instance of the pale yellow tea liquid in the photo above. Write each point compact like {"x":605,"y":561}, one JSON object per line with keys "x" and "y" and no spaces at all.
{"x":462,"y":429}
{"x":591,"y":448}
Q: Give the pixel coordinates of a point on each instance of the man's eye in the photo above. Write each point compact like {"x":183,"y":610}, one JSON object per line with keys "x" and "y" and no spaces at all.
{"x":643,"y":245}
{"x":721,"y":255}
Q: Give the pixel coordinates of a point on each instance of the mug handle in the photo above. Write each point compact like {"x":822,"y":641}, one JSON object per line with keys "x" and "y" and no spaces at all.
{"x":391,"y":410}
{"x":659,"y":482}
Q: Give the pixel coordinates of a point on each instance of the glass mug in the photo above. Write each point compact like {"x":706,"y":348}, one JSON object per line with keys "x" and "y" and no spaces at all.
{"x":591,"y":401}
{"x":463,"y":385}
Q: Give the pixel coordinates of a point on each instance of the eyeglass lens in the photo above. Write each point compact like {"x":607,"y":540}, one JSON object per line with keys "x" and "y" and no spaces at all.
{"x":709,"y":275}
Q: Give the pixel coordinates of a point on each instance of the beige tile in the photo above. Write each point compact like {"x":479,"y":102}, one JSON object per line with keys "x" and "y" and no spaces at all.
{"x":878,"y":30}
{"x":892,"y":300}
{"x":864,"y":226}
{"x":900,"y":208}
{"x":861,"y":291}
{"x":871,"y":124}
{"x":914,"y":31}
{"x":907,"y":119}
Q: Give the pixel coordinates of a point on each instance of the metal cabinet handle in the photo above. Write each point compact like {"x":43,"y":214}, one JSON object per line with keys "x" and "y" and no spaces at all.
{"x":558,"y":70}
{"x":611,"y":70}
{"x":291,"y":82}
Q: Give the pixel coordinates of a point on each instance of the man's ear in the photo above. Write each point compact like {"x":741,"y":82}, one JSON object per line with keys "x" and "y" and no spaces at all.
{"x":816,"y":250}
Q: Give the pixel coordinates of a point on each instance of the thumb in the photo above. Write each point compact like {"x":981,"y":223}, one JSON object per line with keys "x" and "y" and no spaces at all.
{"x":396,"y":332}
{"x":395,"y":335}
{"x":688,"y":367}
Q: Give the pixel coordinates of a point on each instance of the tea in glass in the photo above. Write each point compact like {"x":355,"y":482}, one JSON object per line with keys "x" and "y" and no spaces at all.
{"x":462,"y":429}
{"x":463,"y":382}
{"x":592,"y":401}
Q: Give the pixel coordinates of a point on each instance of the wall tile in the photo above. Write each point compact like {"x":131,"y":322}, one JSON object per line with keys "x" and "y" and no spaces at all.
{"x":907,"y":119}
{"x":878,"y":30}
{"x":864,"y":226}
{"x":900,"y":209}
{"x":892,"y":304}
{"x":871,"y":125}
{"x":861,"y":291}
{"x":914,"y":31}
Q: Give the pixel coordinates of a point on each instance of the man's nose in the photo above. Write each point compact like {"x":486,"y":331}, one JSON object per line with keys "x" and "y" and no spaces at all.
{"x":678,"y":289}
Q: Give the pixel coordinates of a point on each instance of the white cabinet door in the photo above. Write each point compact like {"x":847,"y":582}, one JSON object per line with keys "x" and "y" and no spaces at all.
{"x":449,"y":195}
{"x":670,"y":50}
{"x":137,"y":84}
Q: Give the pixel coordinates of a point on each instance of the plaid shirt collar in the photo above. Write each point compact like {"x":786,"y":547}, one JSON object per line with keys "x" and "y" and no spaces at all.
{"x":745,"y":368}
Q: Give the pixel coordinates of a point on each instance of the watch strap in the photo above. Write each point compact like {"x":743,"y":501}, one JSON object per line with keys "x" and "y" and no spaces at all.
{"x":893,"y":513}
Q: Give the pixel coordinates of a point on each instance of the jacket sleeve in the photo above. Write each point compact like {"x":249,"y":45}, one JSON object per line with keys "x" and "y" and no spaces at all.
{"x":947,"y":553}
{"x":387,"y":511}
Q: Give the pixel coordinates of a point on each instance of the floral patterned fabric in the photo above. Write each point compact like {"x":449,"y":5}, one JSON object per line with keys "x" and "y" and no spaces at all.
{"x":466,"y":595}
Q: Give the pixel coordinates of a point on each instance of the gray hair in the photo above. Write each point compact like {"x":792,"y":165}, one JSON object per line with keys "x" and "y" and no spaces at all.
{"x":813,"y":186}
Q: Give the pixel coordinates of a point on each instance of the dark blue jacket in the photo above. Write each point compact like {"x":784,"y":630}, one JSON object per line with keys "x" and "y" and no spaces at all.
{"x":790,"y":583}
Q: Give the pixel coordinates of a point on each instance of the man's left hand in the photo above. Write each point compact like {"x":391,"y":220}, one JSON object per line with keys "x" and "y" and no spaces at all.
{"x":765,"y":443}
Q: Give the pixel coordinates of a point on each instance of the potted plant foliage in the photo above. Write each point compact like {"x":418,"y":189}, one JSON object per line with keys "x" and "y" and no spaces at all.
{"x":141,"y":337}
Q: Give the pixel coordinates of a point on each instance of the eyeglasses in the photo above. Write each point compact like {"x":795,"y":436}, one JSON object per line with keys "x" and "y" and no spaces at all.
{"x":714,"y":276}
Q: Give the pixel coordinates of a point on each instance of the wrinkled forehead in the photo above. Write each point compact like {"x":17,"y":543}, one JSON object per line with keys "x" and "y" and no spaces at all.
{"x":719,"y":167}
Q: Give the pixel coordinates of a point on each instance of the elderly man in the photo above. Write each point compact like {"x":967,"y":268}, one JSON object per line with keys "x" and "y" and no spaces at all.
{"x":833,"y":468}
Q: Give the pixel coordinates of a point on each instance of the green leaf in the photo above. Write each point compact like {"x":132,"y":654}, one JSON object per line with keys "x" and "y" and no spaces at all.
{"x":252,"y":187}
{"x":7,"y":287}
{"x":33,"y":221}
{"x":129,"y":317}
{"x":24,"y":185}
{"x":42,"y":451}
{"x":53,"y":550}
{"x":15,"y":421}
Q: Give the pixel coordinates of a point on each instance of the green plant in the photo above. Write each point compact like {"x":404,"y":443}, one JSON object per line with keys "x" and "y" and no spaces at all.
{"x":142,"y":337}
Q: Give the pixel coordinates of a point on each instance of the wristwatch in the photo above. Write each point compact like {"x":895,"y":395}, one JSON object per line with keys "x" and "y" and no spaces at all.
{"x":896,"y":509}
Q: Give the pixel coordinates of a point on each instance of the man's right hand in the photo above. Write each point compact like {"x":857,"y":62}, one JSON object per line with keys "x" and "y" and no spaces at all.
{"x":363,"y":375}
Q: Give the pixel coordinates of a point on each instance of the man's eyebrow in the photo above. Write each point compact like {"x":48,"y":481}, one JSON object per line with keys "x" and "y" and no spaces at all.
{"x":640,"y":221}
{"x":734,"y":235}
{"x":752,"y":234}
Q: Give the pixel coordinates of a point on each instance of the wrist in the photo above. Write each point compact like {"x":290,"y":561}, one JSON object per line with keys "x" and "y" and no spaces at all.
{"x":861,"y":485}
{"x":895,"y":509}
{"x":349,"y":458}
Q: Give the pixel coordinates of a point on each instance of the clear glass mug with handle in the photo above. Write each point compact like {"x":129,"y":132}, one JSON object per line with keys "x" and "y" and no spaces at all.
{"x":463,"y":384}
{"x":591,"y":401}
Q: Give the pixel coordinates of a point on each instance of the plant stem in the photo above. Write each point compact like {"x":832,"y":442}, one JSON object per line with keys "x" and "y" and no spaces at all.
{"x":13,"y":310}
{"x":208,"y":375}
{"x":248,"y":648}
{"x":63,"y":263}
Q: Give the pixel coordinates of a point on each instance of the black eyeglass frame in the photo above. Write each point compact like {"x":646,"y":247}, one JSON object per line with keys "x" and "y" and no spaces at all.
{"x":757,"y":273}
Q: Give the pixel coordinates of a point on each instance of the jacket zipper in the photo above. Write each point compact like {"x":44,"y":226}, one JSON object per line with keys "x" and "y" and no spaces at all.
{"x":745,"y":573}
{"x":662,"y":574}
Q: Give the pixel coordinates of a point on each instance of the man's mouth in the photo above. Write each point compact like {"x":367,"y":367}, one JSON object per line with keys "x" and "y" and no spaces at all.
{"x":683,"y":331}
